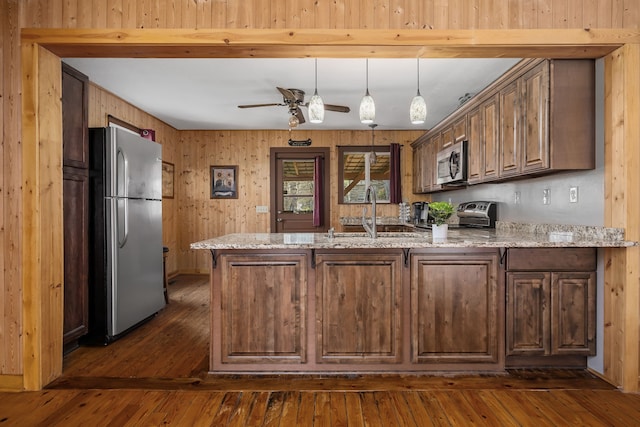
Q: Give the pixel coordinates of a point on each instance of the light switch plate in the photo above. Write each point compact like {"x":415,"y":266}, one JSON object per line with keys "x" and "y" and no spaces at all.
{"x":573,"y":194}
{"x":546,"y":196}
{"x":262,"y":209}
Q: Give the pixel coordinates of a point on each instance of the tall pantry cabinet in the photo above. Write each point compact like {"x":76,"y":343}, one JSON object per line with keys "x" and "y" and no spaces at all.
{"x":75,"y":136}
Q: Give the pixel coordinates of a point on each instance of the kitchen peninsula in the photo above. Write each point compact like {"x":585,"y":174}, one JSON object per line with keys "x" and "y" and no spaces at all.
{"x":482,"y":300}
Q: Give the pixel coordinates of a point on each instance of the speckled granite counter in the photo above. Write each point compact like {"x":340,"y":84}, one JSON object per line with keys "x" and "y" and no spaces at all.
{"x":506,"y":235}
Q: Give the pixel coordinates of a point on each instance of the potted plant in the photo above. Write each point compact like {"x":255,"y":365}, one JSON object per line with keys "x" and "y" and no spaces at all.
{"x":440,"y":212}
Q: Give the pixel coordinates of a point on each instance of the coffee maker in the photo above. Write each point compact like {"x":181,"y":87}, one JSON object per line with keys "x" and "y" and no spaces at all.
{"x":420,"y":213}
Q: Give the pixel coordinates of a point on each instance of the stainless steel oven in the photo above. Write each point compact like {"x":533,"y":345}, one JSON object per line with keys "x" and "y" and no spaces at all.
{"x":452,"y":164}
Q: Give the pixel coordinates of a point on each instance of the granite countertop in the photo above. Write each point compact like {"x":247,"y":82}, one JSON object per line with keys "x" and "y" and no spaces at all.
{"x":505,"y":235}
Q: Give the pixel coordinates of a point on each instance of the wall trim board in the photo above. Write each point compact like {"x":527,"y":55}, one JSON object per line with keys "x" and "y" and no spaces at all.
{"x":39,"y":367}
{"x":11,"y":383}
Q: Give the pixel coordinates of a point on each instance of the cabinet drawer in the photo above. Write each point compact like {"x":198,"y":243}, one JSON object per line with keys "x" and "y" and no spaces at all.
{"x":551,"y":259}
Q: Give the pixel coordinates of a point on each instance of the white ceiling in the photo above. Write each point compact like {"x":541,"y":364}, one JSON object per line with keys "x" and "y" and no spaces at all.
{"x":204,"y":93}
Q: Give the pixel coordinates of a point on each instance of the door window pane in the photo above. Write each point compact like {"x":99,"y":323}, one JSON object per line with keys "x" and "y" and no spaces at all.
{"x":297,"y":183}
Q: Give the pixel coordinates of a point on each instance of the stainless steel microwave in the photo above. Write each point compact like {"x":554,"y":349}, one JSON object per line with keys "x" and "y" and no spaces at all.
{"x":452,"y":164}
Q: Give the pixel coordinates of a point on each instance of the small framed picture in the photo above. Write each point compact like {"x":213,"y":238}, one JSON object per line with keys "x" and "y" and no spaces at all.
{"x":167,"y":180}
{"x":224,"y":182}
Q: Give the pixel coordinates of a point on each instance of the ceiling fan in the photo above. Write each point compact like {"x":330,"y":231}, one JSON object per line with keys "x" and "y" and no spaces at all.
{"x":294,"y":99}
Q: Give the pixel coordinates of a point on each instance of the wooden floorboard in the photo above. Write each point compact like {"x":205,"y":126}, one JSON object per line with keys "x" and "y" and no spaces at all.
{"x":157,"y":375}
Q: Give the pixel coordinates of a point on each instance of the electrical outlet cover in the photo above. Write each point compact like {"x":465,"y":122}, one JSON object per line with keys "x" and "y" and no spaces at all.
{"x":573,"y":195}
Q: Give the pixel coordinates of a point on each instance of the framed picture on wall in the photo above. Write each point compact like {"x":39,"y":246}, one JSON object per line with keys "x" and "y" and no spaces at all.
{"x":224,"y":182}
{"x":167,"y":180}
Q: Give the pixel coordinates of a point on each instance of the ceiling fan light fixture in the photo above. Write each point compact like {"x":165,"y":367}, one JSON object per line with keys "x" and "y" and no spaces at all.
{"x":293,"y":121}
{"x":418,"y":108}
{"x":367,"y":105}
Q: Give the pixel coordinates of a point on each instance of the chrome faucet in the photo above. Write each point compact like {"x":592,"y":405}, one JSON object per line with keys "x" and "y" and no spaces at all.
{"x":370,"y":196}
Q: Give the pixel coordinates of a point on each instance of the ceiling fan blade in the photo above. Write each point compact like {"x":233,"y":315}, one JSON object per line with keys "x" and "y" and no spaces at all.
{"x":260,"y":105}
{"x":287,"y":94}
{"x":300,"y":116}
{"x":338,"y":108}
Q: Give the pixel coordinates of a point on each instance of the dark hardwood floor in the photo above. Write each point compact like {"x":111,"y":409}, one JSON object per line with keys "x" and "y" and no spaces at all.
{"x":157,"y":375}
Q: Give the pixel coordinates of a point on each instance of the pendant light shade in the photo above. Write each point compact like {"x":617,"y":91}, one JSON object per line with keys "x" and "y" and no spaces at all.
{"x":418,"y":108}
{"x":367,"y":106}
{"x":316,"y":105}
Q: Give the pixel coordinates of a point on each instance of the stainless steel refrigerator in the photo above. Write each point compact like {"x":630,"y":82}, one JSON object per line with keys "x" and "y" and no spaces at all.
{"x":126,"y":275}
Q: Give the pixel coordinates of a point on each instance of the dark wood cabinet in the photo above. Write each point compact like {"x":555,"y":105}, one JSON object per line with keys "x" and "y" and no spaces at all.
{"x":358,"y":300}
{"x":424,"y":165}
{"x":75,"y":204}
{"x":483,"y":141}
{"x":75,"y":126}
{"x":510,"y":163}
{"x":550,"y":302}
{"x":259,"y":309}
{"x":536,"y":119}
{"x":455,"y":308}
{"x":76,"y":246}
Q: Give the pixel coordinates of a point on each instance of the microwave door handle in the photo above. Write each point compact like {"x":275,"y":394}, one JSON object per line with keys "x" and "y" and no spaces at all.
{"x":453,"y":165}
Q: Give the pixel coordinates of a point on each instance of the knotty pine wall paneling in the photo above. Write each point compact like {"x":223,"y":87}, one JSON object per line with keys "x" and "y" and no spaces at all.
{"x":11,"y":355}
{"x":202,"y":217}
{"x":377,"y":14}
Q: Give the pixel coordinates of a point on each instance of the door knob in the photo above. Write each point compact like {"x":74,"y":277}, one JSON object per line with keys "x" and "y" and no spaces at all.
{"x":279,"y":220}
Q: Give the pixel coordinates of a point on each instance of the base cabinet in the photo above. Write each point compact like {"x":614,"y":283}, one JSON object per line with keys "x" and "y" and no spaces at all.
{"x":551,"y":312}
{"x":455,"y":308}
{"x":259,"y":312}
{"x":358,"y":301}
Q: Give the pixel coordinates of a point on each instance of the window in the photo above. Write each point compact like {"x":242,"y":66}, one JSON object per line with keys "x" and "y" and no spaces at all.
{"x":352,"y":173}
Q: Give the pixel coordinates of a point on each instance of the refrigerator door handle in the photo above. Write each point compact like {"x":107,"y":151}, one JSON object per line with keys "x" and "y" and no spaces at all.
{"x":125,"y":221}
{"x":122,"y":172}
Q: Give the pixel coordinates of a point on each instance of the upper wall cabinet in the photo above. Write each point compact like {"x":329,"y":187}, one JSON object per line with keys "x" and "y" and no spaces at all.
{"x":536,"y":119}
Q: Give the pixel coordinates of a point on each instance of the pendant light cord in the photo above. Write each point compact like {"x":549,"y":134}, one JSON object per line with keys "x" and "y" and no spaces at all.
{"x":418,"y":59}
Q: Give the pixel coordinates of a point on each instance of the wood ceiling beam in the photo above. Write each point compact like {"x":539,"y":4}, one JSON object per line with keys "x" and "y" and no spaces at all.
{"x":304,"y":43}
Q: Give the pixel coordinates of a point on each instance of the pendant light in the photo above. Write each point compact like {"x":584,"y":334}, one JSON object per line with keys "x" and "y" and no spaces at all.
{"x":418,"y":108}
{"x":316,"y":106}
{"x":367,"y":106}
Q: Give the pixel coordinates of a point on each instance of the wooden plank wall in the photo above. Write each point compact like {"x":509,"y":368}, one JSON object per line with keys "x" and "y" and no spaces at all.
{"x":381,"y":14}
{"x":202,"y":217}
{"x":11,"y":199}
{"x":102,"y":104}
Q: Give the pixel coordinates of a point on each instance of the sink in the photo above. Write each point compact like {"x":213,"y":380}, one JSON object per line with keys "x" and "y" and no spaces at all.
{"x":382,"y":235}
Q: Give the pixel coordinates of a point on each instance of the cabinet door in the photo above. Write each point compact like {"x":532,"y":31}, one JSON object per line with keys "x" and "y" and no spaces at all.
{"x":417,"y":168}
{"x":510,"y":156}
{"x":460,"y":129}
{"x":76,"y":253}
{"x":75,"y":129}
{"x":573,"y":313}
{"x":491,"y":138}
{"x":431,"y":169}
{"x":454,"y":309}
{"x":535,"y":119}
{"x":528,"y":311}
{"x":358,"y":301}
{"x":447,"y":138}
{"x":475,"y":147}
{"x":261,"y":311}
{"x":422,"y":160}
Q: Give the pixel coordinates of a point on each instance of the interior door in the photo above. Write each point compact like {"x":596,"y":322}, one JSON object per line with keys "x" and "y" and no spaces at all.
{"x":295,"y":187}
